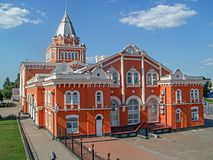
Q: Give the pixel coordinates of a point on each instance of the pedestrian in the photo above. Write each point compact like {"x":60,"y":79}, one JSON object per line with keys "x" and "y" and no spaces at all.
{"x":52,"y":155}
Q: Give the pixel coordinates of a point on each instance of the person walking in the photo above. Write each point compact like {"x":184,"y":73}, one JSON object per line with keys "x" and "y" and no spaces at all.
{"x":52,"y":155}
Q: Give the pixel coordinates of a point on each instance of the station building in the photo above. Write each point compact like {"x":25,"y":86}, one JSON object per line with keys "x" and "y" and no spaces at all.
{"x":128,"y":88}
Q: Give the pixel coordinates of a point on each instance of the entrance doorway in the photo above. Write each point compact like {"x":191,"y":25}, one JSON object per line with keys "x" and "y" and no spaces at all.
{"x":99,"y":126}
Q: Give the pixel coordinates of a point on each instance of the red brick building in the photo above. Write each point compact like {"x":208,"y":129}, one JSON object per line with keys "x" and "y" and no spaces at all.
{"x":126,"y":89}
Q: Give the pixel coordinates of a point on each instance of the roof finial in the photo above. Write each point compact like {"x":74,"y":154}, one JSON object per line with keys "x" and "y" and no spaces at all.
{"x":65,"y":5}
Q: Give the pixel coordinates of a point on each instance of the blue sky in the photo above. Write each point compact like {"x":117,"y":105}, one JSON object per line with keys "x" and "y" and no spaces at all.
{"x":177,"y":33}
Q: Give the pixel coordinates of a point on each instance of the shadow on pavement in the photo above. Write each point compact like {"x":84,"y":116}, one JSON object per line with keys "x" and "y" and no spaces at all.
{"x":208,"y":123}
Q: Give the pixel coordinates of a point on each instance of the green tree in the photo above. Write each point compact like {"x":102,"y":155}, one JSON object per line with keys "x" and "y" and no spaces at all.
{"x":207,"y":87}
{"x":7,"y":88}
{"x":1,"y":96}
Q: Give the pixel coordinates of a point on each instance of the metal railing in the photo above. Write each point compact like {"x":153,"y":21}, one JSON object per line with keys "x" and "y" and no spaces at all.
{"x":77,"y":147}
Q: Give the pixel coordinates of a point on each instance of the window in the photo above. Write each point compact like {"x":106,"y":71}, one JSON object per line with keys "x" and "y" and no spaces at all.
{"x":151,"y":78}
{"x":76,"y":55}
{"x":75,"y":98}
{"x":132,"y":77}
{"x":115,"y":77}
{"x":155,"y":80}
{"x":194,"y":95}
{"x":136,"y":78}
{"x":178,"y":115}
{"x":133,"y":111}
{"x":72,"y":98}
{"x":68,"y":97}
{"x":73,"y":55}
{"x":129,"y":78}
{"x":194,"y":114}
{"x":72,"y":124}
{"x":178,"y":96}
{"x":65,"y":55}
{"x":99,"y":99}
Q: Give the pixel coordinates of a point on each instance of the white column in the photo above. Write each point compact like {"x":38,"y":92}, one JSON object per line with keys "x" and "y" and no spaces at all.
{"x":122,"y":80}
{"x":160,"y":67}
{"x":143,"y":80}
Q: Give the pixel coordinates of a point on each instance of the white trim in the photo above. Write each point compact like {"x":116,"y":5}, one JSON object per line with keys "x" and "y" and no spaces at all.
{"x":178,"y":109}
{"x":143,"y":80}
{"x":102,"y":117}
{"x":102,"y":99}
{"x":115,"y":98}
{"x":72,"y":116}
{"x":197,"y":108}
{"x":134,"y":97}
{"x":176,"y":99}
{"x":122,"y":80}
{"x":152,"y":96}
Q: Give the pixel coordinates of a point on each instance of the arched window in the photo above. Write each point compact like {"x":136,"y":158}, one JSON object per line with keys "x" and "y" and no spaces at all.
{"x":62,"y":55}
{"x":136,"y":78}
{"x":151,"y":78}
{"x":68,"y":97}
{"x":194,"y":114}
{"x":132,"y":77}
{"x":69,"y":55}
{"x":192,"y":95}
{"x":129,"y":78}
{"x":75,"y":97}
{"x":133,"y":111}
{"x":178,"y":115}
{"x":114,"y":105}
{"x":152,"y":109}
{"x":73,"y":55}
{"x":65,"y":55}
{"x":115,"y":77}
{"x":155,"y":79}
{"x":76,"y":55}
{"x":178,"y":96}
{"x":196,"y":95}
{"x":99,"y":99}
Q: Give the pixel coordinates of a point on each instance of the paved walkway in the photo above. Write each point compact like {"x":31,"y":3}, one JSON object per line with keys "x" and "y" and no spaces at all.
{"x":42,"y":143}
{"x":117,"y":149}
{"x":5,"y":111}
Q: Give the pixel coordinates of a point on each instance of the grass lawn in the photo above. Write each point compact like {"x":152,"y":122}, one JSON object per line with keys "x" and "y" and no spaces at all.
{"x":209,"y":100}
{"x":11,"y":145}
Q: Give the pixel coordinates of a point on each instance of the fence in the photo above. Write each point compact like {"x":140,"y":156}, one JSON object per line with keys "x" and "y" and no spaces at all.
{"x":77,"y":147}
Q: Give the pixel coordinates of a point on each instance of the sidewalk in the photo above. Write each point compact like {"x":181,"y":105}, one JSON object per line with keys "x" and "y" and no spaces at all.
{"x":42,"y":142}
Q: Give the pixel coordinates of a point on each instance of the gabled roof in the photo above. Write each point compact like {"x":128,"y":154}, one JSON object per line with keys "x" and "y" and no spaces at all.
{"x":65,"y":27}
{"x":63,"y":68}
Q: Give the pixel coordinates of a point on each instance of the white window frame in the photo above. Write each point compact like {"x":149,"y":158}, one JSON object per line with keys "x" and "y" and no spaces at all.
{"x":65,"y":97}
{"x":133,"y":111}
{"x":197,"y":114}
{"x":72,"y":98}
{"x":195,"y":97}
{"x":152,"y":81}
{"x":132,"y":73}
{"x":68,"y":118}
{"x":178,"y":112}
{"x":100,"y":102}
{"x":178,"y":99}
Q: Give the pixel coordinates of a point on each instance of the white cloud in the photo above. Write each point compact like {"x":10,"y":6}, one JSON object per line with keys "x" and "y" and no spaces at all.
{"x":12,"y":16}
{"x":208,"y":62}
{"x":159,"y":17}
{"x":40,"y":12}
